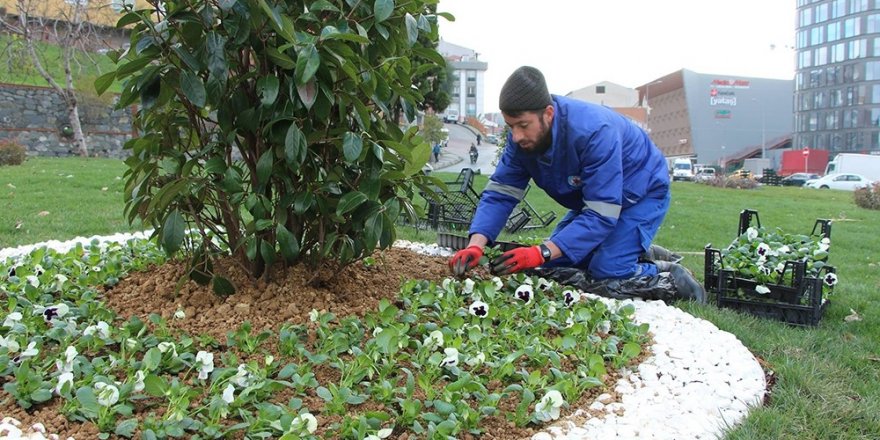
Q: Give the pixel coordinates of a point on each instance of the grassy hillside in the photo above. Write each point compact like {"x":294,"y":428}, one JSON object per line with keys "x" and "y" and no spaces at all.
{"x":18,"y":67}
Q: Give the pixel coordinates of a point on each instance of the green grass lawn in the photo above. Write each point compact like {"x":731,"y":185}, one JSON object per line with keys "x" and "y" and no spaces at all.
{"x":828,"y":378}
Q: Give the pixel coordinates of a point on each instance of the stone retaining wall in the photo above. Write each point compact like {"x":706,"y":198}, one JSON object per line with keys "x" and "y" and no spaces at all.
{"x":34,"y":117}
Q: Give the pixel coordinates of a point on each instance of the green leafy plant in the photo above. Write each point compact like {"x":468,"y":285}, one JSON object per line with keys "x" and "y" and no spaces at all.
{"x":272,"y":127}
{"x":868,"y":197}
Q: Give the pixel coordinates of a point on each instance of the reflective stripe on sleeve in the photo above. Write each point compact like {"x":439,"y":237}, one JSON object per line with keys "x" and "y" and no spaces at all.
{"x":507,"y":190}
{"x":604,"y":209}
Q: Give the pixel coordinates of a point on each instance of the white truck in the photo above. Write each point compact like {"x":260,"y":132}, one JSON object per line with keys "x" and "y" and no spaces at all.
{"x":451,"y":115}
{"x":868,"y":165}
{"x":683,"y":169}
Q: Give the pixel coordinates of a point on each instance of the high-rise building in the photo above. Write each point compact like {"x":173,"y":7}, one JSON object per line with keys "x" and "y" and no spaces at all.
{"x":468,"y":83}
{"x":837,"y":86}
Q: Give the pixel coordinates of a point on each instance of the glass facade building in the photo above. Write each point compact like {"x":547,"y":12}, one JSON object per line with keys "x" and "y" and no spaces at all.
{"x":837,"y":86}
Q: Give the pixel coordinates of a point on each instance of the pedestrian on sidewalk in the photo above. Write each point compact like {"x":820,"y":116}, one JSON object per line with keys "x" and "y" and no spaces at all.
{"x":479,"y":138}
{"x":436,"y":152}
{"x":606,"y":171}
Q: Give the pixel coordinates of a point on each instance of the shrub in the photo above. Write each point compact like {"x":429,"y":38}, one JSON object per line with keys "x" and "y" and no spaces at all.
{"x":307,"y":94}
{"x":733,"y":181}
{"x":11,"y":152}
{"x":868,"y":197}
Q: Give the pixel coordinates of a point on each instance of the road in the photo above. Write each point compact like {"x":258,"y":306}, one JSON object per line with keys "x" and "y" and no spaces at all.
{"x":460,"y":140}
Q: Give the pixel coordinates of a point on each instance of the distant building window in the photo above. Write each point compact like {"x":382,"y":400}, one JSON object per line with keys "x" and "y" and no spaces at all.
{"x":471,"y":91}
{"x":471,"y":75}
{"x":600,"y":90}
{"x":838,"y":8}
{"x":857,"y":6}
{"x":833,"y":31}
{"x":852,"y":27}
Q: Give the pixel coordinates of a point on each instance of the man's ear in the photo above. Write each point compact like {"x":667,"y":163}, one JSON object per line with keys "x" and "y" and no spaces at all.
{"x":549,"y":112}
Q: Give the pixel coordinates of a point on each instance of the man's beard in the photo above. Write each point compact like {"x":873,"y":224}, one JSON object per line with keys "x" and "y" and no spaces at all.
{"x":545,"y":141}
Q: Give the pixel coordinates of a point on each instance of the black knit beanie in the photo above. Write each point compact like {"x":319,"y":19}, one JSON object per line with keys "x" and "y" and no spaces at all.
{"x":524,"y":90}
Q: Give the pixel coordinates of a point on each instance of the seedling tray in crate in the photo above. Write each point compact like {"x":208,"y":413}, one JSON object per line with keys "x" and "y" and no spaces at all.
{"x":798,"y":302}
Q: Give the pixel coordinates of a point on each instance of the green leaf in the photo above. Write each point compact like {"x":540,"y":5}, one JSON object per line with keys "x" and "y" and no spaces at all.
{"x":382,"y":9}
{"x":288,"y":243}
{"x":349,"y":202}
{"x":267,"y":251}
{"x":308,"y":93}
{"x":126,"y":428}
{"x":86,"y":398}
{"x":373,"y":230}
{"x":152,"y":359}
{"x":307,"y":63}
{"x":193,"y":88}
{"x":132,"y":66}
{"x":268,"y":89}
{"x":264,"y":167}
{"x":104,"y":82}
{"x":352,"y":145}
{"x":324,"y":393}
{"x":215,"y":51}
{"x":412,"y":29}
{"x":155,"y":385}
{"x":173,"y":232}
{"x":294,"y":145}
{"x":279,"y":58}
{"x":631,"y":350}
{"x":227,"y":4}
{"x":41,"y":395}
{"x":223,"y":287}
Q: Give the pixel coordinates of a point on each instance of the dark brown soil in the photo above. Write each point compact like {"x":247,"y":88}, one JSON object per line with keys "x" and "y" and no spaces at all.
{"x":286,"y":298}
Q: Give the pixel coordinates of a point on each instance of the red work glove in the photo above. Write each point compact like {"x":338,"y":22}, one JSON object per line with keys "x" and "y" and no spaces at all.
{"x":516,"y":260}
{"x":465,"y":259}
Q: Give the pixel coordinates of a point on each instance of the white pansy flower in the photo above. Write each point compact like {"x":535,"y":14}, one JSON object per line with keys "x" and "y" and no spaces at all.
{"x":139,"y":377}
{"x":780,"y":268}
{"x":603,"y":327}
{"x":33,"y":281}
{"x":229,"y":393}
{"x":12,"y":319}
{"x":446,"y":284}
{"x":242,"y":377}
{"x":28,"y":353}
{"x":59,"y":281}
{"x":497,"y":283}
{"x":304,"y":421}
{"x":543,"y":284}
{"x":131,"y":343}
{"x":269,"y":359}
{"x":765,"y":270}
{"x":38,"y":270}
{"x":551,"y":310}
{"x":63,"y":379}
{"x":477,"y":360}
{"x":10,"y":343}
{"x":751,"y":233}
{"x":96,"y":268}
{"x":570,"y":297}
{"x":763,"y":290}
{"x":205,"y":362}
{"x":763,"y":250}
{"x":479,"y":309}
{"x":313,"y":315}
{"x":434,"y":339}
{"x":784,"y":249}
{"x":69,"y":356}
{"x":824,"y":244}
{"x":524,"y":293}
{"x":451,"y":358}
{"x":106,"y":394}
{"x":468,"y":286}
{"x":179,"y":314}
{"x":57,"y":311}
{"x":101,"y":330}
{"x":529,"y":281}
{"x":548,"y":408}
{"x":165,"y":347}
{"x":376,"y":331}
{"x":830,"y":279}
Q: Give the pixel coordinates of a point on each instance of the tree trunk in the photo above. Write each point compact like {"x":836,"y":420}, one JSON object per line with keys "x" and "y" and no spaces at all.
{"x":79,"y":139}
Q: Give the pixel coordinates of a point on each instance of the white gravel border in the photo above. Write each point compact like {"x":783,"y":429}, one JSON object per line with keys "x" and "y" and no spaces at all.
{"x":698,"y":382}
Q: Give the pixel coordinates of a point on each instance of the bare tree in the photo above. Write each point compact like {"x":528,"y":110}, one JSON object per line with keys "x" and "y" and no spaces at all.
{"x":66,"y":24}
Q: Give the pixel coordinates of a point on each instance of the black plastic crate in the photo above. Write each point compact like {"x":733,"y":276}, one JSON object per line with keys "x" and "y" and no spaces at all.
{"x":799,"y":302}
{"x":457,"y":242}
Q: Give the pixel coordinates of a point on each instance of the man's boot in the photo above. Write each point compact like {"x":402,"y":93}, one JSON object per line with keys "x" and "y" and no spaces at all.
{"x":685,"y":284}
{"x":659,"y":253}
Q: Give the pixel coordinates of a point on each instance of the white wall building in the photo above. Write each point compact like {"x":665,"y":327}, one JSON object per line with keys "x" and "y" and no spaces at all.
{"x":468,"y":79}
{"x":608,"y":94}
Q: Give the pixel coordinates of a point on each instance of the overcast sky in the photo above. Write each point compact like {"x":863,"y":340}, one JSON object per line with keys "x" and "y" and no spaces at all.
{"x":576,"y":43}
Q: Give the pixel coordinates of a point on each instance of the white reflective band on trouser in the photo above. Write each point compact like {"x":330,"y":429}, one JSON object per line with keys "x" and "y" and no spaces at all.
{"x":507,"y":190}
{"x":604,"y":209}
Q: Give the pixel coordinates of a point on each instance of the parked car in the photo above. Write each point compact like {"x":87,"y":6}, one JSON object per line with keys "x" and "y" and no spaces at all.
{"x":798,"y":179}
{"x":704,"y":174}
{"x":844,"y":181}
{"x":492,"y":139}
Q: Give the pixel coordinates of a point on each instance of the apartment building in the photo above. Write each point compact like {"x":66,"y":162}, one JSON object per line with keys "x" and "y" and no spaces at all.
{"x":468,"y":80}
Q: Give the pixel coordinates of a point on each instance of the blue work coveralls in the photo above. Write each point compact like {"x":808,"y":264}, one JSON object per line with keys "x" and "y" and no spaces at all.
{"x":606,"y":171}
